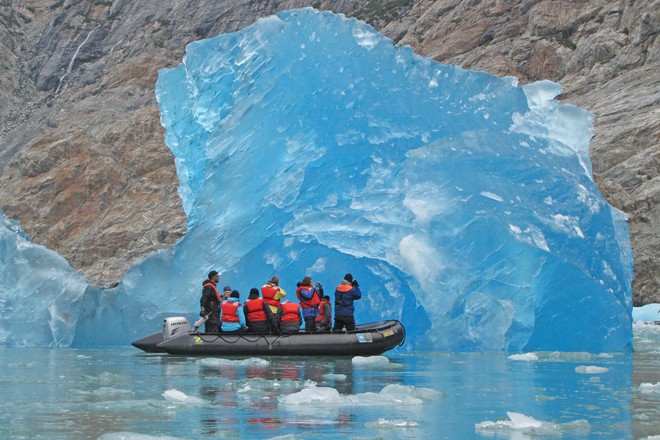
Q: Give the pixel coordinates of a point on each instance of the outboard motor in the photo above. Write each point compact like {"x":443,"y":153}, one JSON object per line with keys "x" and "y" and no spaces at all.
{"x":175,"y":326}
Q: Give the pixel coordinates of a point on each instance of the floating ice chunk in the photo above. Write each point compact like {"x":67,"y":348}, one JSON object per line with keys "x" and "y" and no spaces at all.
{"x":389,"y":395}
{"x":370,"y":360}
{"x":409,"y":390}
{"x":219,"y":362}
{"x":176,"y":396}
{"x":649,"y":387}
{"x":524,"y":357}
{"x":334,"y":376}
{"x":522,"y":424}
{"x":105,"y":391}
{"x":591,"y":369}
{"x":314,"y":395}
{"x":390,"y":424}
{"x":126,"y":435}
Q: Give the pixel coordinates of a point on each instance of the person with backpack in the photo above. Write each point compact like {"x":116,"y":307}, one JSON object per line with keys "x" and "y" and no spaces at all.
{"x":309,"y":299}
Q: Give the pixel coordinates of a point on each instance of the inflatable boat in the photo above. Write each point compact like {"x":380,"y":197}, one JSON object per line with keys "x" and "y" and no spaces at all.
{"x":179,"y":338}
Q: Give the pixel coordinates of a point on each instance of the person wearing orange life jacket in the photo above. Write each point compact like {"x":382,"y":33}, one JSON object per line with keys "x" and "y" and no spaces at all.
{"x":259,"y":317}
{"x":289,"y":317}
{"x":232,"y":316}
{"x":309,"y":299}
{"x":210,"y":303}
{"x":347,"y":292}
{"x":273,"y":293}
{"x":324,"y":318}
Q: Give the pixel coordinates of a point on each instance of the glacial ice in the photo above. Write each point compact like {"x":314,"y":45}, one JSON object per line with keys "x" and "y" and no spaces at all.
{"x":308,"y":144}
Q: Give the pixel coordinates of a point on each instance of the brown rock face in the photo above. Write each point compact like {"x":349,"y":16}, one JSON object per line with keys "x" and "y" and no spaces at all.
{"x":84,"y":166}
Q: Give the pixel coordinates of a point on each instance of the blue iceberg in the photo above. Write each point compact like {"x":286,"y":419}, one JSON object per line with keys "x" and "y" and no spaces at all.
{"x":308,"y":144}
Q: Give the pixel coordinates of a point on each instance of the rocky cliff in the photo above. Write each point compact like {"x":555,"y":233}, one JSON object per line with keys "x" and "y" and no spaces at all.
{"x":83,"y":163}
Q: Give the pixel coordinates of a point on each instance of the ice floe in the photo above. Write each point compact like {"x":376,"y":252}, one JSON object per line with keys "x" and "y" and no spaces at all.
{"x":518,"y":423}
{"x":176,"y":396}
{"x":649,"y":387}
{"x":591,"y":369}
{"x":524,"y":357}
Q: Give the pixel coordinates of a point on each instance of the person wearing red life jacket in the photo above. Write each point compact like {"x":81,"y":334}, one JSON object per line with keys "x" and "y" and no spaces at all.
{"x":347,"y":292}
{"x":232,"y":316}
{"x":259,"y":317}
{"x":324,"y":318}
{"x":309,"y":299}
{"x":210,"y":303}
{"x":272,"y":293}
{"x":289,"y":317}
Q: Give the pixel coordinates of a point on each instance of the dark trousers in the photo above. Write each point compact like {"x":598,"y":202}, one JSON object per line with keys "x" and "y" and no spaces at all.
{"x":342,"y":321}
{"x":259,"y":327}
{"x":310,"y":323}
{"x":212,"y":325}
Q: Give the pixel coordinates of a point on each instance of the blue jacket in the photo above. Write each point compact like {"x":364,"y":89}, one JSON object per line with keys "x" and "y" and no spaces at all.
{"x":345,"y":294}
{"x":231,"y":326}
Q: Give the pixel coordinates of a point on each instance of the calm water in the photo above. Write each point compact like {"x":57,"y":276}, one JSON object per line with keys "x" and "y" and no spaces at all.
{"x":123,"y":393}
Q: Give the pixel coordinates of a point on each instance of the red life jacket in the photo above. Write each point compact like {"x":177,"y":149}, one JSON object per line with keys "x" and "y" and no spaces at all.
{"x":290,"y":312}
{"x":307,"y":303}
{"x":229,"y":311}
{"x":215,"y":289}
{"x":321,"y":314}
{"x":268,"y":292}
{"x":255,"y":309}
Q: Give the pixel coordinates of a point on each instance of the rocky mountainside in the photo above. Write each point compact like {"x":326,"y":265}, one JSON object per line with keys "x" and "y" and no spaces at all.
{"x":84,"y":166}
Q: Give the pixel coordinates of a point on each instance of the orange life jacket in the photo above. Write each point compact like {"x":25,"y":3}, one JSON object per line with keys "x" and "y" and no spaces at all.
{"x":215,"y":289}
{"x":255,"y":308}
{"x":268,"y":292}
{"x":307,"y":303}
{"x":290,"y":312}
{"x":321,"y":315}
{"x":229,"y":311}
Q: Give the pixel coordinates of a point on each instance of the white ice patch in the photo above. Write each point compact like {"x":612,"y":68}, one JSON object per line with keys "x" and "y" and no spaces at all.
{"x":648,"y":388}
{"x":391,"y":424}
{"x":127,"y":435}
{"x":334,"y":376}
{"x":591,"y":369}
{"x":390,"y":395}
{"x":490,"y":195}
{"x":220,"y":362}
{"x":524,"y":357}
{"x":370,"y":360}
{"x":531,"y":235}
{"x":365,"y":37}
{"x":176,"y":396}
{"x":518,"y":423}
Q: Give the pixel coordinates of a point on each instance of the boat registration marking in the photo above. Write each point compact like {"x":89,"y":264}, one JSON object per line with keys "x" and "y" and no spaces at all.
{"x":364,"y":338}
{"x":388,"y":332}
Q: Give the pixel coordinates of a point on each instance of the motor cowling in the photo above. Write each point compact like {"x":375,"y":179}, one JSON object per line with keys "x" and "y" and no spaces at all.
{"x":175,"y":326}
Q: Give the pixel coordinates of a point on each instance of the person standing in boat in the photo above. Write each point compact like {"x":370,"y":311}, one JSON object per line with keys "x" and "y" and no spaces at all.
{"x":289,"y":317}
{"x":324,"y":317}
{"x":210,"y":303}
{"x":309,"y":299}
{"x":273,"y":293}
{"x":232,"y":316}
{"x":347,"y":292}
{"x":259,"y":317}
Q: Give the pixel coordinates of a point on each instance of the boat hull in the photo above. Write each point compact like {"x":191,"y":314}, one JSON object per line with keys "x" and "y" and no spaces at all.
{"x":365,"y":340}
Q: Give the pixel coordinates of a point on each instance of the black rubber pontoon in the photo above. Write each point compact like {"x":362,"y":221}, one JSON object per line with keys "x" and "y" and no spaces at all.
{"x":365,"y":340}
